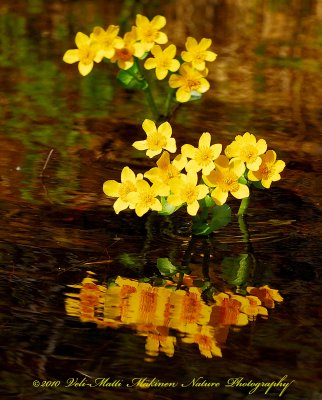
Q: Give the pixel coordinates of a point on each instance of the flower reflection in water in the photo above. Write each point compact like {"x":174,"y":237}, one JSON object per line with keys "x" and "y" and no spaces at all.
{"x":158,"y":312}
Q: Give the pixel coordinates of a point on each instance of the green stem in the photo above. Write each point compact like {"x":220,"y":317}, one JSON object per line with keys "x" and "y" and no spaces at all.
{"x":148,"y":93}
{"x":168,"y":104}
{"x":243,"y":206}
{"x":151,"y":102}
{"x":241,"y":220}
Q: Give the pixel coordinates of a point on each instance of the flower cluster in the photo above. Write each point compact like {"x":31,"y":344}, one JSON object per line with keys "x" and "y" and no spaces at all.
{"x":194,"y":174}
{"x":158,"y":312}
{"x":143,"y":42}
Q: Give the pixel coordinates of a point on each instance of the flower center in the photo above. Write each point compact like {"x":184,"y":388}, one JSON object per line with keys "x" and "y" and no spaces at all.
{"x":126,"y":188}
{"x":192,"y":84}
{"x":124,"y":54}
{"x":190,"y":194}
{"x":249,"y":154}
{"x":86,"y":55}
{"x":156,"y":141}
{"x":204,"y":156}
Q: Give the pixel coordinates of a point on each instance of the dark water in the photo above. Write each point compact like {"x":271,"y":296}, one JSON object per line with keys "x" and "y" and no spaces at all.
{"x":57,"y":224}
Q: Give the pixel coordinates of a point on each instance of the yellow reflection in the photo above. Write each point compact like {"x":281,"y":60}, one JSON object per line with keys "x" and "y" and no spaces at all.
{"x":161,"y":314}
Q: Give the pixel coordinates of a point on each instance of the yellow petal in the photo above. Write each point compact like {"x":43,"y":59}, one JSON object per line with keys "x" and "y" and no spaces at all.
{"x":182,"y":95}
{"x":204,"y":44}
{"x":158,"y":22}
{"x":171,"y":145}
{"x":156,"y":51}
{"x":81,"y":39}
{"x":242,"y":192}
{"x":85,"y":69}
{"x":162,"y":38}
{"x":238,"y":167}
{"x":120,"y":205}
{"x":71,"y":56}
{"x":161,"y":73}
{"x":191,"y":43}
{"x":219,"y":196}
{"x":210,"y":56}
{"x":261,"y":146}
{"x":111,"y":188}
{"x":149,"y":126}
{"x":141,"y":210}
{"x":205,"y":140}
{"x":203,"y":190}
{"x":150,"y":63}
{"x":175,"y":65}
{"x":188,"y":150}
{"x":140,"y":145}
{"x":175,"y":81}
{"x":127,"y":175}
{"x":165,"y":129}
{"x":279,"y":166}
{"x":170,"y":51}
{"x":193,"y":208}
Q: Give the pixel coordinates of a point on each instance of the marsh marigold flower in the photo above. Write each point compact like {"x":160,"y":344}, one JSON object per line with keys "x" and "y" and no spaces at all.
{"x":203,"y":156}
{"x":185,"y":189}
{"x":166,"y":169}
{"x":269,"y":170}
{"x":148,"y":32}
{"x":107,"y":40}
{"x":188,"y":80}
{"x":121,"y":190}
{"x":163,"y":61}
{"x":145,"y":197}
{"x":247,"y":149}
{"x":124,"y":56}
{"x":197,"y":53}
{"x":85,"y":54}
{"x":225,"y":178}
{"x":157,"y":139}
{"x":204,"y":337}
{"x":227,"y":311}
{"x":267,"y":295}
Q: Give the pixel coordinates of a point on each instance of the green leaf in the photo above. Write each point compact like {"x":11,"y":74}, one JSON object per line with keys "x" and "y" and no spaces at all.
{"x":243,"y":180}
{"x":257,"y":184}
{"x":236,"y":269}
{"x":167,"y":209}
{"x":221,"y":216}
{"x":166,"y":267}
{"x":131,"y":79}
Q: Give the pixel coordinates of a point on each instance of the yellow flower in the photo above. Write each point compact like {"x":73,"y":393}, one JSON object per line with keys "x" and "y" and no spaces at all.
{"x":186,"y":190}
{"x":163,"y":61}
{"x":156,"y":343}
{"x":246,"y":149}
{"x":197,"y":53}
{"x":203,"y":156}
{"x":148,"y":32}
{"x":204,"y":338}
{"x":227,"y":311}
{"x":107,"y":41}
{"x":251,"y":306}
{"x":122,"y":190}
{"x":166,"y":170}
{"x":267,"y":295}
{"x":144,"y":199}
{"x":157,"y":139}
{"x":225,"y":179}
{"x":85,"y":54}
{"x":131,"y":48}
{"x":188,"y":81}
{"x":269,"y":170}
